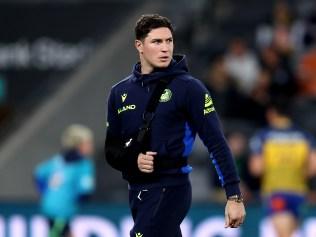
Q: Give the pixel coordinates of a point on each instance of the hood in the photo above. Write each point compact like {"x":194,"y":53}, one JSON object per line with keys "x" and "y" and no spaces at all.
{"x":177,"y":66}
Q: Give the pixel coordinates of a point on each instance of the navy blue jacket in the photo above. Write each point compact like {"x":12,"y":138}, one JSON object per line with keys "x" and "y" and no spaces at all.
{"x":185,"y":109}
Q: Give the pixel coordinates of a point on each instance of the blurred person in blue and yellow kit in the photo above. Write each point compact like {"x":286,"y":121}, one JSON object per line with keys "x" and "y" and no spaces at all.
{"x":284,"y":156}
{"x":66,"y":179}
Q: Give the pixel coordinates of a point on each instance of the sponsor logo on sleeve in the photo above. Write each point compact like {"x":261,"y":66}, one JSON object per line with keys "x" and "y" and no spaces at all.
{"x":208,"y":105}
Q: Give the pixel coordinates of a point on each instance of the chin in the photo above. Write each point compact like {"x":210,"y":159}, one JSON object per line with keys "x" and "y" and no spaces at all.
{"x":162,"y":65}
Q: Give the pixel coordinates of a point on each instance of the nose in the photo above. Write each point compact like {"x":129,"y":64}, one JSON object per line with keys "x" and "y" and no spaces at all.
{"x":164,"y":47}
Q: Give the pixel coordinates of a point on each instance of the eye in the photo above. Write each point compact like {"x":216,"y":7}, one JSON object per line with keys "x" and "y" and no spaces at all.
{"x":156,"y":41}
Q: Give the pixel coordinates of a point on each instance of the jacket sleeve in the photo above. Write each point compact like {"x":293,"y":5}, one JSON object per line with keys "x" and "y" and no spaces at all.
{"x":41,"y":176}
{"x":120,"y":158}
{"x":205,"y":121}
{"x":86,"y":179}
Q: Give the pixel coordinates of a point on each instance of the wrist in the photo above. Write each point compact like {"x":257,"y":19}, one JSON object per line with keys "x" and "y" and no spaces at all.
{"x":232,"y":189}
{"x":236,"y":198}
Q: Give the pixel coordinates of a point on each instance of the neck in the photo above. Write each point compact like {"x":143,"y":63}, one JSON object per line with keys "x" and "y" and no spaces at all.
{"x":145,"y":67}
{"x":146,"y":70}
{"x":281,"y":122}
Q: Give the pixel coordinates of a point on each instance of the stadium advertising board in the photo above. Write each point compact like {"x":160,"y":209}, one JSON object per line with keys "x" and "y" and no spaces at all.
{"x":99,"y":220}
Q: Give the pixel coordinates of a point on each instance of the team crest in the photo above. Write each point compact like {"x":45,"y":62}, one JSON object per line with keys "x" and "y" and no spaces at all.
{"x":166,"y":96}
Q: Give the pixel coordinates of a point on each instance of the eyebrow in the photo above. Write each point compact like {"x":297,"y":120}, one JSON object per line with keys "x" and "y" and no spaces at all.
{"x":154,"y":39}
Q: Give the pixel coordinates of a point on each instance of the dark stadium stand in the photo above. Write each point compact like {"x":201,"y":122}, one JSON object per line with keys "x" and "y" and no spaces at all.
{"x":43,"y":44}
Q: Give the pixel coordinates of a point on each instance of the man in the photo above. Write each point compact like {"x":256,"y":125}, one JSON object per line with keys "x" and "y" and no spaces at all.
{"x":66,"y":179}
{"x":159,"y":187}
{"x":284,"y":157}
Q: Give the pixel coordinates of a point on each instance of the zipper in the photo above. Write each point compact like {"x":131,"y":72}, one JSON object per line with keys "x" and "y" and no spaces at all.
{"x":160,"y":200}
{"x":148,"y":87}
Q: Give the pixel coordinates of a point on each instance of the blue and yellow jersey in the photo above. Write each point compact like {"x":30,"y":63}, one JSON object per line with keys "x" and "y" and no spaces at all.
{"x":63,"y":184}
{"x":285,"y":153}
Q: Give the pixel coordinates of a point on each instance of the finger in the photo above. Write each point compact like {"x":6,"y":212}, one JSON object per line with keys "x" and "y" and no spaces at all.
{"x":237,"y":222}
{"x":145,"y":157}
{"x":147,"y":167}
{"x":148,"y":157}
{"x":146,"y":171}
{"x":146,"y":162}
{"x":240,"y":219}
{"x":233,"y":222}
{"x":151,"y":153}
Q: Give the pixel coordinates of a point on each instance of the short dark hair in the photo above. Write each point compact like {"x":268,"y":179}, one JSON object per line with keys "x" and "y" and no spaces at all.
{"x":148,"y":22}
{"x":281,"y":104}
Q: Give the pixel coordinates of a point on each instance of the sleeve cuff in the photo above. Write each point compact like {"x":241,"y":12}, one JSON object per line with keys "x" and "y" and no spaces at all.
{"x":232,"y":189}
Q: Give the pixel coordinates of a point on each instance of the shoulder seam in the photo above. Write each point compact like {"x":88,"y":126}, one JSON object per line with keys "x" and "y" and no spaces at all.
{"x":122,"y":81}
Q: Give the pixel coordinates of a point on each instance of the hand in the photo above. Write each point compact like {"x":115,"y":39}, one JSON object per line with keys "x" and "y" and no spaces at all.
{"x":234,"y":214}
{"x":145,"y":162}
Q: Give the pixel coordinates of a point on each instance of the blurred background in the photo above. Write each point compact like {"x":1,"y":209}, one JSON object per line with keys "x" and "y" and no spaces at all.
{"x":59,"y":59}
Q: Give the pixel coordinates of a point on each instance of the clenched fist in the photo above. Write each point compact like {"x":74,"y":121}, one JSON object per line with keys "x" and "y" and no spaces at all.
{"x":234,"y":214}
{"x":145,"y":162}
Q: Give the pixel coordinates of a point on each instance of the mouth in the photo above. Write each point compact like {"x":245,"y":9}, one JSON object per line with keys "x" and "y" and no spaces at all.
{"x":164,"y":58}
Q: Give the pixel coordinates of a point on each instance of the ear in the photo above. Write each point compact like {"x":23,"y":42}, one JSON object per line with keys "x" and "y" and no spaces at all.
{"x":139,"y":46}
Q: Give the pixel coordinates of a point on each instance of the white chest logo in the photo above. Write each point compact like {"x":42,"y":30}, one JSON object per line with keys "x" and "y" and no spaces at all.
{"x":124,"y":96}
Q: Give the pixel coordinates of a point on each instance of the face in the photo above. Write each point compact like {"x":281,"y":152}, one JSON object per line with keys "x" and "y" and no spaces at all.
{"x":86,"y":147}
{"x":156,"y":49}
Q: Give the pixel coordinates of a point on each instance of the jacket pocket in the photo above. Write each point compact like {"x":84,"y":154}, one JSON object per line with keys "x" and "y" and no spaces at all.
{"x":161,"y":197}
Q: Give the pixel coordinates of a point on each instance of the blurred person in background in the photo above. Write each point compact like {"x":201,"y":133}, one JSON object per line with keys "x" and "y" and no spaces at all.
{"x":261,"y":91}
{"x":282,"y":79}
{"x":259,"y":98}
{"x":223,"y":90}
{"x":284,"y":157}
{"x":242,"y":65}
{"x":288,"y":30}
{"x":66,"y":179}
{"x":232,"y":103}
{"x":157,"y":167}
{"x":277,"y":49}
{"x":277,"y":30}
